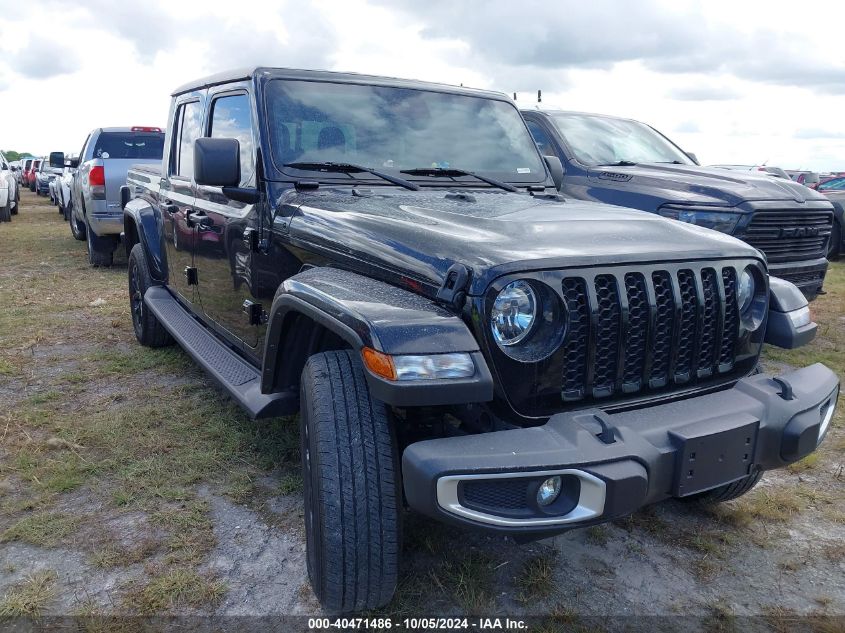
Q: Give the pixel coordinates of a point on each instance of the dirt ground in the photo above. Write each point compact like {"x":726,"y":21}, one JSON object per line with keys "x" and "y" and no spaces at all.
{"x":130,"y":485}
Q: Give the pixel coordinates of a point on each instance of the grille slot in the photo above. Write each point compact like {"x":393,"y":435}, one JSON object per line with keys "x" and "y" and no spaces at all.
{"x":709,"y":322}
{"x":607,"y":335}
{"x":637,"y":334}
{"x":665,"y":308}
{"x":575,"y":347}
{"x":647,"y":331}
{"x":726,"y":355}
{"x":790,"y":234}
{"x":688,"y":327}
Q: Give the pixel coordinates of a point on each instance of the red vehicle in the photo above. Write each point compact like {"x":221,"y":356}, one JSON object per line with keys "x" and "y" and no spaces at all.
{"x":31,"y":180}
{"x":27,"y":171}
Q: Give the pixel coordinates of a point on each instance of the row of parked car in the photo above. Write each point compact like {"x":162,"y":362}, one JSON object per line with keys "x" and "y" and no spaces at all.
{"x":464,"y":302}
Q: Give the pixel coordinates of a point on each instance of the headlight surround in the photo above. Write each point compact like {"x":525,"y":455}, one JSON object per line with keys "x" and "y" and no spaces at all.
{"x":707,"y":217}
{"x":514,"y":313}
{"x":751,"y":298}
{"x":533,"y":339}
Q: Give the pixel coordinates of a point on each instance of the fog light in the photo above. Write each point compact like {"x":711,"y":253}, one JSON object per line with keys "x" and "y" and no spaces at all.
{"x":549,"y":491}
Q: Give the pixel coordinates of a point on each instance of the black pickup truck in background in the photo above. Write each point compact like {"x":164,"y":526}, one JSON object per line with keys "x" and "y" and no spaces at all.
{"x":392,"y":260}
{"x":630,"y":164}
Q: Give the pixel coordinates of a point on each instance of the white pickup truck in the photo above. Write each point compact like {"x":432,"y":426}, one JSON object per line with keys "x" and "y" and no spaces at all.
{"x":106,"y":156}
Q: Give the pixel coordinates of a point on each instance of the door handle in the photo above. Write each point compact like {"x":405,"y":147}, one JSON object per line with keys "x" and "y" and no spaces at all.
{"x":199,"y":219}
{"x":169,"y":207}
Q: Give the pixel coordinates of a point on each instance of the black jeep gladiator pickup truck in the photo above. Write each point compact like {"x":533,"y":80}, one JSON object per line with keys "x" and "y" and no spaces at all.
{"x":391,"y":259}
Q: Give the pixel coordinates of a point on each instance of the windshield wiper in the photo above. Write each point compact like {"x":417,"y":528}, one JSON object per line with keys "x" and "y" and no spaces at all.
{"x":619,"y":163}
{"x":451,"y":172}
{"x":349,"y":168}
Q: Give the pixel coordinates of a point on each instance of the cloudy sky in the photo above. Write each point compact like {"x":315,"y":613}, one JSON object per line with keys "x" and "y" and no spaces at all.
{"x":736,"y":81}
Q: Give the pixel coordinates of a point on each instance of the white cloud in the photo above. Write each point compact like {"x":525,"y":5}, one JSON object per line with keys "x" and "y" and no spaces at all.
{"x":761,"y":83}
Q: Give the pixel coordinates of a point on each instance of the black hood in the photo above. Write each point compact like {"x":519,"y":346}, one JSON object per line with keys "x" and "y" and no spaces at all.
{"x":418,"y":235}
{"x":693,"y":184}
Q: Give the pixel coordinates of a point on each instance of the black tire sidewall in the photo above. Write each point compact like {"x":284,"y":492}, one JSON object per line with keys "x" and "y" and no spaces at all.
{"x":311,"y":490}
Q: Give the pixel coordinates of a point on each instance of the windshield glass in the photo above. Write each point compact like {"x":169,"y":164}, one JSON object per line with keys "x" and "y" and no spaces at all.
{"x":129,"y":145}
{"x":598,"y":140}
{"x":392,"y":129}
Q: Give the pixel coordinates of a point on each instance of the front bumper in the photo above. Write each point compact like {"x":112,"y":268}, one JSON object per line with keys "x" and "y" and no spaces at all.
{"x":807,"y":275}
{"x":611,"y":465}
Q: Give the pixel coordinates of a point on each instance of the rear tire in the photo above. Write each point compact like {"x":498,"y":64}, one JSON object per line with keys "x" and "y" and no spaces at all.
{"x":726,"y":492}
{"x":6,"y":212}
{"x":352,"y":496}
{"x":148,"y":329}
{"x":100,"y":249}
{"x":17,"y":201}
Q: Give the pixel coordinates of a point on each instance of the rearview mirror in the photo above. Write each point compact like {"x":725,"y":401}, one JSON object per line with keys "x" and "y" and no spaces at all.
{"x":555,"y":169}
{"x":217,"y":162}
{"x":57,"y":159}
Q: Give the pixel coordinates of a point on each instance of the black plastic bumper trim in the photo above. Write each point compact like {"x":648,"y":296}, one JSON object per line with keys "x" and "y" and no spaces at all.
{"x":641,"y":466}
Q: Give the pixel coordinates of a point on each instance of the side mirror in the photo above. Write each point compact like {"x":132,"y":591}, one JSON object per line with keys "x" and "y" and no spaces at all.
{"x":555,"y":169}
{"x":692,"y":157}
{"x":57,"y":159}
{"x":73,"y":163}
{"x":217,"y":162}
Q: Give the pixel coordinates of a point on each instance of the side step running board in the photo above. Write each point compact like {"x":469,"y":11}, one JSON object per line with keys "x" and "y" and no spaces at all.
{"x":235,"y":375}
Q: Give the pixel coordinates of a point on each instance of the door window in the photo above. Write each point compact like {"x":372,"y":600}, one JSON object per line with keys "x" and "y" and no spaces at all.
{"x":231,"y":118}
{"x":544,"y":143}
{"x":188,"y":128}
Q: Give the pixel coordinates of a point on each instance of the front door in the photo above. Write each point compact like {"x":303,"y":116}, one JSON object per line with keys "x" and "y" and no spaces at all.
{"x":177,"y":193}
{"x":223,"y":255}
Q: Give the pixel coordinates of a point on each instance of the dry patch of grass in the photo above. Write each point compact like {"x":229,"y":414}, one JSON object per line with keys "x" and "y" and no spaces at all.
{"x":536,"y":581}
{"x":175,"y":588}
{"x":468,"y":580}
{"x":29,"y":597}
{"x":46,"y":529}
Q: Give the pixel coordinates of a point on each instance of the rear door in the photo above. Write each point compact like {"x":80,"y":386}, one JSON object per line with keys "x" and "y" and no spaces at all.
{"x":224,"y":260}
{"x":176,"y":196}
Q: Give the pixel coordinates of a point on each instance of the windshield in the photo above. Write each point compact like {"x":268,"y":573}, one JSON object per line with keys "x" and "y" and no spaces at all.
{"x":598,"y":140}
{"x":129,"y":145}
{"x":395,"y":129}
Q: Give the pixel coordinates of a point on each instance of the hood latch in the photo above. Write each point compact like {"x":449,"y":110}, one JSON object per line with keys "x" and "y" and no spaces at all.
{"x":452,"y":292}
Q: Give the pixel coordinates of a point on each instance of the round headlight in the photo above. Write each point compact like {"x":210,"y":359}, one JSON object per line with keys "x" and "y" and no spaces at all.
{"x":745,"y":290}
{"x":513,"y":314}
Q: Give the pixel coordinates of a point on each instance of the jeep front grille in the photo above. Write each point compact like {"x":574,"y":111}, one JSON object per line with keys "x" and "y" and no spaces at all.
{"x":633,"y":334}
{"x":681,"y":315}
{"x":789,"y":235}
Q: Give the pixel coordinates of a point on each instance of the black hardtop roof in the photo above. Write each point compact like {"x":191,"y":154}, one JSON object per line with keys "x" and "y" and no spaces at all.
{"x":243,"y":74}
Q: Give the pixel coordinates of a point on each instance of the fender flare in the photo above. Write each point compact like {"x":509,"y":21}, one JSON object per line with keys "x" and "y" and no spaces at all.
{"x":141,"y":225}
{"x":366,"y":312}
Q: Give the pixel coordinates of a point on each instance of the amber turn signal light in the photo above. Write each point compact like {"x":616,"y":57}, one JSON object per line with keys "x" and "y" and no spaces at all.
{"x":378,"y":363}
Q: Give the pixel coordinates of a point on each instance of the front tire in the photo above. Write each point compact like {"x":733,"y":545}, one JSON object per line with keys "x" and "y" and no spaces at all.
{"x":148,"y":329}
{"x":6,"y":212}
{"x":352,"y":496}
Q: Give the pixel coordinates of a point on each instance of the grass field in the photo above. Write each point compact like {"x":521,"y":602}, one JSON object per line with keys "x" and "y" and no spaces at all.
{"x":129,"y":484}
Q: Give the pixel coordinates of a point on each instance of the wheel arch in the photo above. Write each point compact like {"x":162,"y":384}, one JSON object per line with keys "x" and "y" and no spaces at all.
{"x":141,"y":225}
{"x":323,"y":309}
